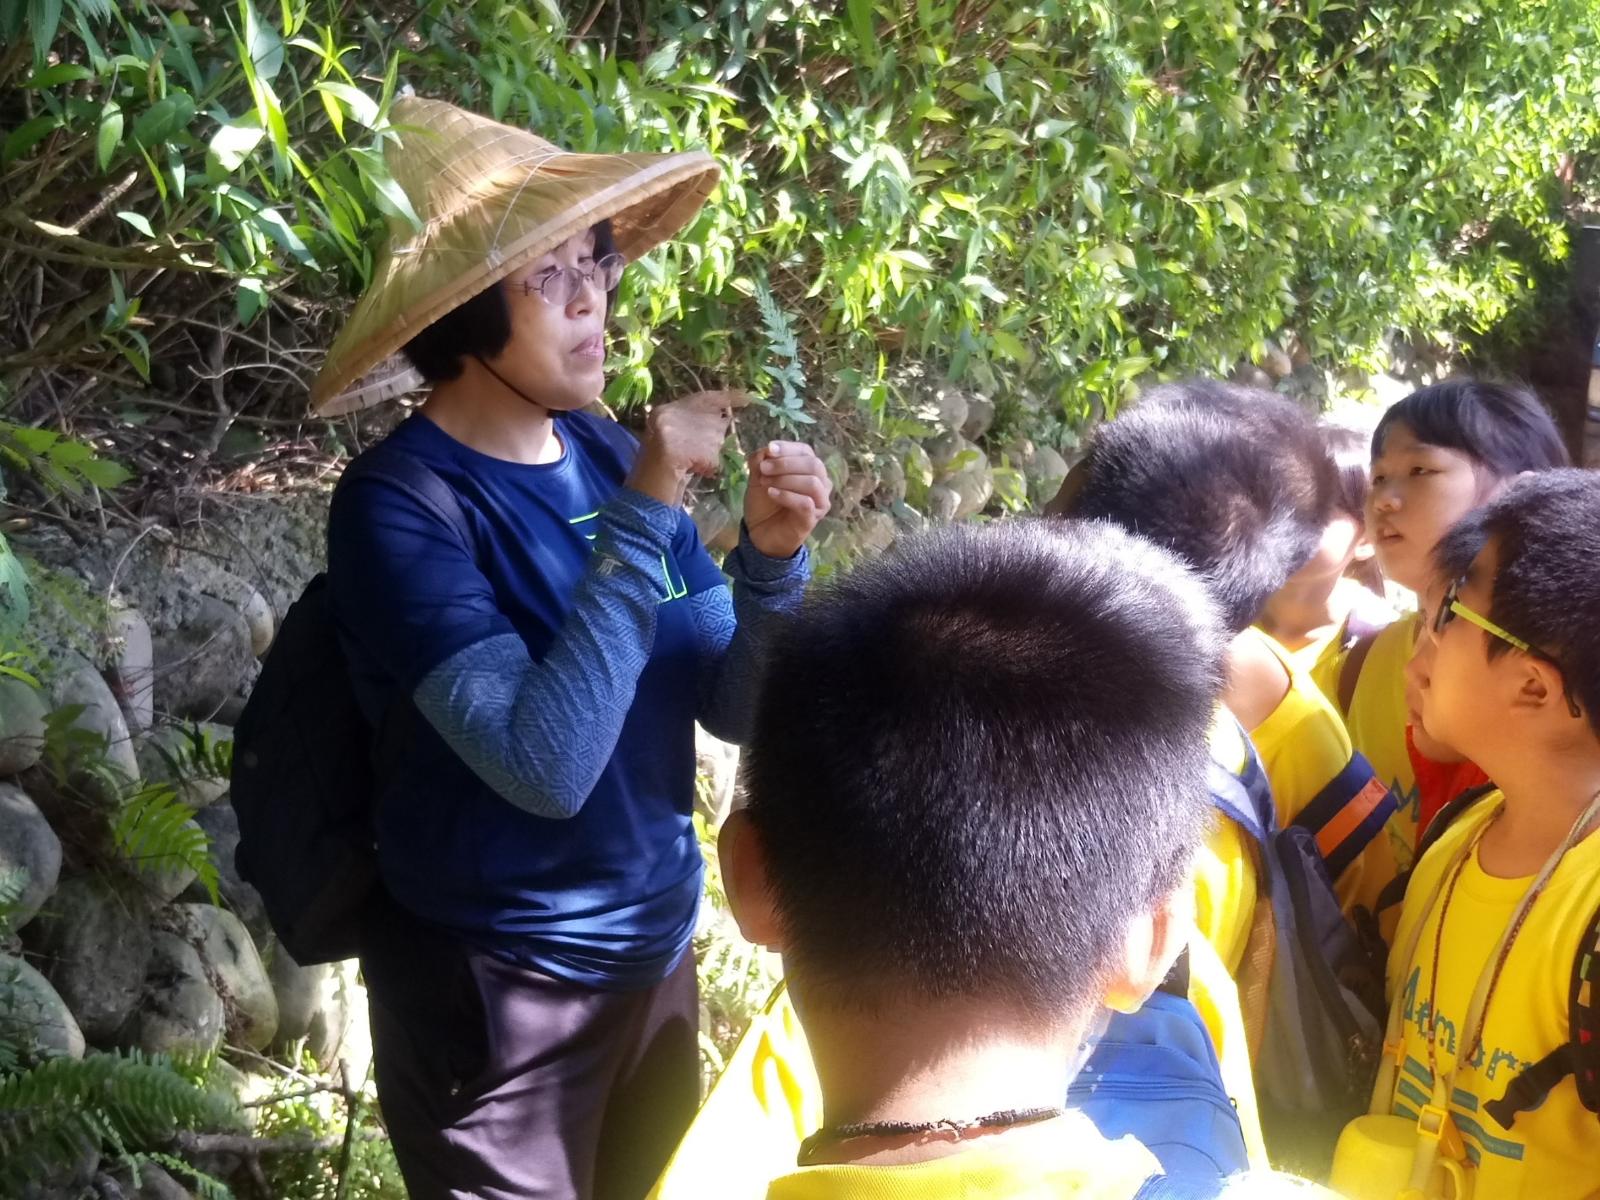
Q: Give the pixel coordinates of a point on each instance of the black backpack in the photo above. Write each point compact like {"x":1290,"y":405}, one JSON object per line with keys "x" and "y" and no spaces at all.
{"x":307,"y":764}
{"x":1311,"y":983}
{"x":1579,"y":1055}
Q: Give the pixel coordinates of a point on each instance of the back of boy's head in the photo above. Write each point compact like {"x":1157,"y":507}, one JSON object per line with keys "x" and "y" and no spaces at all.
{"x":1546,"y":588}
{"x":1503,"y":427}
{"x":1233,"y":480}
{"x":976,"y":761}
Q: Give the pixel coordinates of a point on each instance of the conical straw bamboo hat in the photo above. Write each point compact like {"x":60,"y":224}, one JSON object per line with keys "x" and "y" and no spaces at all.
{"x":491,"y":200}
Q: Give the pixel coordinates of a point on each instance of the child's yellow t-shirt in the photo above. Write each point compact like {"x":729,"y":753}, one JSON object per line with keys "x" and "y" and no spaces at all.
{"x":1303,"y":746}
{"x":768,"y":1099}
{"x":1552,"y":1152}
{"x":1064,"y":1157}
{"x":1225,"y":869}
{"x":1377,"y":723}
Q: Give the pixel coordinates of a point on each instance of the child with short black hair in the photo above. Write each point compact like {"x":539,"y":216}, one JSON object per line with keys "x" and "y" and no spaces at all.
{"x":1237,"y":483}
{"x":976,"y":785}
{"x":1499,"y":915}
{"x":1436,"y":455}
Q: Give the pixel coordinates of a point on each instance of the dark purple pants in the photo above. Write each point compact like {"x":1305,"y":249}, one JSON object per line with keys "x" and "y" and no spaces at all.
{"x":502,"y":1083}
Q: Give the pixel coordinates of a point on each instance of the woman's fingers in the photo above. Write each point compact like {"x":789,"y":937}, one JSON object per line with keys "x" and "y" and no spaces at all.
{"x":812,"y":488}
{"x":799,"y":502}
{"x":790,"y":468}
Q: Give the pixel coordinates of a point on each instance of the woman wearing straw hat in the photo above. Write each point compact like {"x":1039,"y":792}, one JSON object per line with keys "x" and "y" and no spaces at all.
{"x":559,"y":628}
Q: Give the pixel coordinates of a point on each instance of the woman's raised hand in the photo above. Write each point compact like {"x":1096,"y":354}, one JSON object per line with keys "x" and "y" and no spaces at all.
{"x":787,"y":495}
{"x":681,"y":439}
{"x":789,"y":486}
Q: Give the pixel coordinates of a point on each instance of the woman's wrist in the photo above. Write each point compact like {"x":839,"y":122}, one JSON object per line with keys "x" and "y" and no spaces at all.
{"x":653,"y":476}
{"x":778,"y":553}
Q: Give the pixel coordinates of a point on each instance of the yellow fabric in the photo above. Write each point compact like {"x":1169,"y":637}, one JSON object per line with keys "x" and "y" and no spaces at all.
{"x":767,"y":1098}
{"x":1303,"y":745}
{"x":757,"y":1113}
{"x":1553,"y":1152}
{"x":1225,"y":870}
{"x":1324,"y":658}
{"x":1377,"y":725}
{"x":1216,"y":999}
{"x":1066,"y":1157}
{"x":1324,"y":666}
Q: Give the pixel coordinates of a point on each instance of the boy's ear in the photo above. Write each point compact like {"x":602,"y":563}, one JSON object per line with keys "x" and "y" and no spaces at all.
{"x":1153,"y":942}
{"x":1540,"y":686}
{"x":744,"y":878}
{"x":1067,"y":497}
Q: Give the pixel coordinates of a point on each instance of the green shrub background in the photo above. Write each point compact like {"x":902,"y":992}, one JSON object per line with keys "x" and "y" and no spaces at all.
{"x":1045,"y":201}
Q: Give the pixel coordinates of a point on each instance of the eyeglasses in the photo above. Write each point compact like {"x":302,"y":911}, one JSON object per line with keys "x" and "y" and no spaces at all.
{"x":1451,"y":607}
{"x":559,"y":286}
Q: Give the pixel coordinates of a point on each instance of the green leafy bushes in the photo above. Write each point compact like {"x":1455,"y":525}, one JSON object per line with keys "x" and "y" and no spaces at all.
{"x":1045,"y":200}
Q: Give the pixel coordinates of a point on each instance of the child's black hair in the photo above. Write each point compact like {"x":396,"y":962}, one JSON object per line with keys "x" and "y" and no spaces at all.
{"x":1502,"y":427}
{"x":1546,"y":588}
{"x":480,"y":327}
{"x":977,"y":760}
{"x":1234,"y":480}
{"x":1350,"y":450}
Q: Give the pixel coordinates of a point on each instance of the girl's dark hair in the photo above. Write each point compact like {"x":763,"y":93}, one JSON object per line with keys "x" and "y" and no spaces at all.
{"x":1349,"y":449}
{"x":481,"y":326}
{"x":1502,"y":426}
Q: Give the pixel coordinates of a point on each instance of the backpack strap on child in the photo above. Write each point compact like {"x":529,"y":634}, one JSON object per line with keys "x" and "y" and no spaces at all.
{"x":1395,"y":890}
{"x":1579,"y":1056}
{"x":1357,"y":639}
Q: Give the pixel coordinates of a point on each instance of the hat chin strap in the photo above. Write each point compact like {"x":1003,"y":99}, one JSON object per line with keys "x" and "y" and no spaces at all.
{"x":513,"y":388}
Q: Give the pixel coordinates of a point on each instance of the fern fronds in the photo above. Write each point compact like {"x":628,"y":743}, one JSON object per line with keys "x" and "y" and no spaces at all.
{"x":156,"y":833}
{"x":50,"y":1113}
{"x":208,"y":1187}
{"x":787,"y":372}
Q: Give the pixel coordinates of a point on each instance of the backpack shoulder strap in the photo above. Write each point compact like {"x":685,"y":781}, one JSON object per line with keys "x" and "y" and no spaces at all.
{"x":418,"y":480}
{"x":1579,"y":1056}
{"x":1395,"y":890}
{"x":1245,"y":797}
{"x":1350,"y":810}
{"x":1360,"y":637}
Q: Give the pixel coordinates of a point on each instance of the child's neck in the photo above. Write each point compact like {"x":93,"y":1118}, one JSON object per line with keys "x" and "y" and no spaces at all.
{"x":1545,"y":792}
{"x":1300,"y":613}
{"x":955,"y":1063}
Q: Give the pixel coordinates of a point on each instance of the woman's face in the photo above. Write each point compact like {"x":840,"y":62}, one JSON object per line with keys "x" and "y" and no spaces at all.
{"x":1418,"y":492}
{"x":557,"y":352}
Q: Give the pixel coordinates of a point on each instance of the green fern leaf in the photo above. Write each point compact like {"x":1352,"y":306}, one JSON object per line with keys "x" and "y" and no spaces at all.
{"x":157,"y":834}
{"x":129,"y":1101}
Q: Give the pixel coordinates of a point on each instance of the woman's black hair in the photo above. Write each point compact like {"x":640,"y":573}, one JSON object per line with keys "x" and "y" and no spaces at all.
{"x":1503,"y":427}
{"x":482,"y":326}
